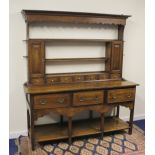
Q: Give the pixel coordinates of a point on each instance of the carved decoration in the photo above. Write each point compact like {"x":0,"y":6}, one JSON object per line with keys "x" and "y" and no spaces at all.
{"x":72,"y":111}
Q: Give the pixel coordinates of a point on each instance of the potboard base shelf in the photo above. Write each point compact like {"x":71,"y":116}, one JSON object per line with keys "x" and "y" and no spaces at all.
{"x":80,"y":128}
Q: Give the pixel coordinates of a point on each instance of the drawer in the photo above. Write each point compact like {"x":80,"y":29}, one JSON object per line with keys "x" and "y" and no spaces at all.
{"x":90,"y":77}
{"x":103,"y":76}
{"x":51,"y":101}
{"x":78,"y":78}
{"x":121,"y":95}
{"x":115,"y":76}
{"x":88,"y":98}
{"x":53,"y":80}
{"x":66,"y":79}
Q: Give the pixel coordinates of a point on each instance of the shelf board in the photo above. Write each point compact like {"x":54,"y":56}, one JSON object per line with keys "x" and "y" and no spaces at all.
{"x":80,"y":128}
{"x":75,"y":60}
{"x":72,"y":39}
{"x":76,"y":73}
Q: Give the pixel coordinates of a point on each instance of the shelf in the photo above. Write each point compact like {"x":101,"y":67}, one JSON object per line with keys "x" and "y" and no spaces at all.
{"x":75,"y":60}
{"x":80,"y":128}
{"x":72,"y":40}
{"x":76,"y":73}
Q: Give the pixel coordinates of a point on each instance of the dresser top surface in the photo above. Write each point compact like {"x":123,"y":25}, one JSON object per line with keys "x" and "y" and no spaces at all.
{"x":56,"y":88}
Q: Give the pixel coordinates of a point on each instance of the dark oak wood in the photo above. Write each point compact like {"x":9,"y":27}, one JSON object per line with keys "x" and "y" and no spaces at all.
{"x":76,"y":77}
{"x":121,"y":95}
{"x":70,"y":94}
{"x":88,"y":98}
{"x":70,"y":130}
{"x":34,"y":89}
{"x":131,"y":120}
{"x":80,"y":128}
{"x":46,"y":40}
{"x":51,"y":101}
{"x":32,"y":16}
{"x":75,"y":60}
{"x":102,"y":125}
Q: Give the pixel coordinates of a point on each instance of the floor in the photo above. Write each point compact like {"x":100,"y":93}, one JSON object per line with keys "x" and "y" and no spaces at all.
{"x":13,"y":148}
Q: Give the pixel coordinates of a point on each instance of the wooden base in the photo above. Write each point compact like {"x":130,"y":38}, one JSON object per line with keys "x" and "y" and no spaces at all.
{"x":79,"y":128}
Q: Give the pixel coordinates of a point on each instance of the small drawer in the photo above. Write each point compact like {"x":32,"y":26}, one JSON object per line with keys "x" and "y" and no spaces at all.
{"x":66,"y":79}
{"x":121,"y":95}
{"x":91,"y":77}
{"x":103,"y":76}
{"x":51,"y":101}
{"x":78,"y":78}
{"x":53,"y":80}
{"x":115,"y":76}
{"x":88,"y":98}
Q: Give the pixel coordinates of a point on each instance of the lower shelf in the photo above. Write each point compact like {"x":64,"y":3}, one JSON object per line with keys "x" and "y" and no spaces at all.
{"x":80,"y":128}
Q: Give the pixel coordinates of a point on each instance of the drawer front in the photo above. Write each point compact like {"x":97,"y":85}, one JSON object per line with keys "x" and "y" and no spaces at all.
{"x":66,"y":79}
{"x":78,"y":78}
{"x":53,"y":80}
{"x":115,"y":76}
{"x":88,"y":98}
{"x":91,"y":77}
{"x":51,"y":101}
{"x":121,"y":95}
{"x":103,"y":76}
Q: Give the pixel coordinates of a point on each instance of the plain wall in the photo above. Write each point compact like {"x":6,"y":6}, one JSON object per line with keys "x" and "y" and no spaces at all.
{"x":133,"y":63}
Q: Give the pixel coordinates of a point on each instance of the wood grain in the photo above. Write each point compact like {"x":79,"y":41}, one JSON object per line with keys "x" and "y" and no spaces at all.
{"x":80,"y":128}
{"x":32,"y":16}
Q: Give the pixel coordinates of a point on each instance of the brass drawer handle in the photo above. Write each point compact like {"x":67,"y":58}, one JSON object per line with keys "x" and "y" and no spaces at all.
{"x":129,"y":96}
{"x":114,"y":97}
{"x":61,"y":100}
{"x":89,"y":99}
{"x":43,"y":102}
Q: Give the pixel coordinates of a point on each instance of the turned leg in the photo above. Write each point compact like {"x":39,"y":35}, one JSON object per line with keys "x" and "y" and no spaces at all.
{"x":90,"y":114}
{"x":70,"y":130}
{"x":131,"y":121}
{"x":118,"y":109}
{"x":61,"y":119}
{"x":102,"y":125}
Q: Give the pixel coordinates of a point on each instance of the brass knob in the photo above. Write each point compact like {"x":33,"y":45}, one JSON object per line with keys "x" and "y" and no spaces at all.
{"x":89,"y":99}
{"x":114,"y":97}
{"x":81,"y":99}
{"x":43,"y":102}
{"x":129,"y":96}
{"x":61,"y":100}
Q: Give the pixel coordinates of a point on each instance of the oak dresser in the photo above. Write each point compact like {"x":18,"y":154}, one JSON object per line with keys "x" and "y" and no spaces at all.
{"x":69,"y":94}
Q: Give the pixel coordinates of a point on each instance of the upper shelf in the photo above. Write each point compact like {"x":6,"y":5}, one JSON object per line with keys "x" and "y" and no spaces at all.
{"x":75,"y":60}
{"x":34,"y":16}
{"x":71,"y":40}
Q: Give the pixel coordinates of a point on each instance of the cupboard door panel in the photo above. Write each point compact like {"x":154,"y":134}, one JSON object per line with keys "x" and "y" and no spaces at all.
{"x":36,"y":60}
{"x":117,"y":56}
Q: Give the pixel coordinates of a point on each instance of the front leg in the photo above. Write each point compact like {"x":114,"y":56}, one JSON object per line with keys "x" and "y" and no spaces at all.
{"x":131,"y":120}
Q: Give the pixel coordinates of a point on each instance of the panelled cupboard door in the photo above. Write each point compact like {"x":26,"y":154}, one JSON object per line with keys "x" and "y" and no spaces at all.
{"x":36,"y":61}
{"x":116,"y":56}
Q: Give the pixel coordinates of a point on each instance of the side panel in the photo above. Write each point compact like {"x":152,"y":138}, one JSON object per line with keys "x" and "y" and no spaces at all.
{"x":116,"y":57}
{"x":36,"y":55}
